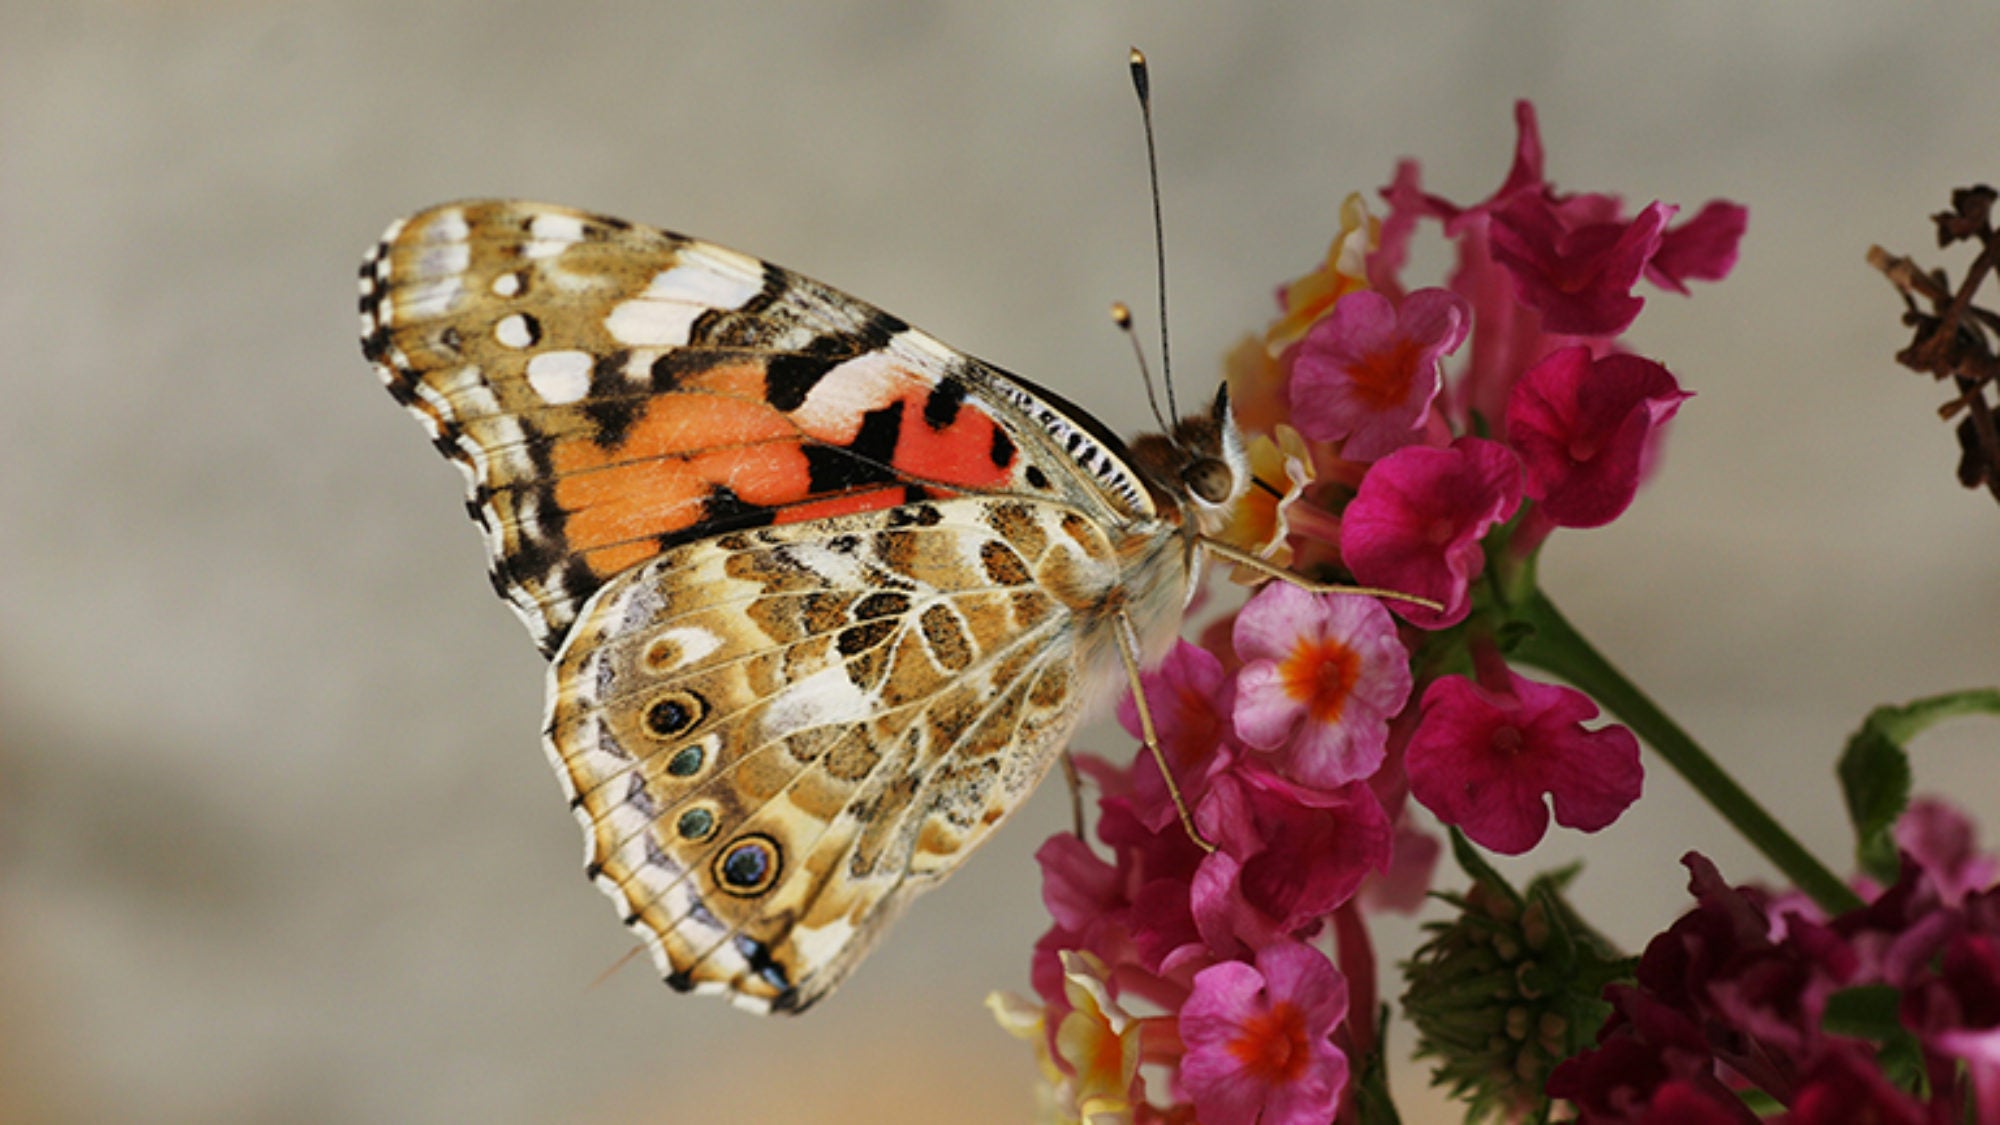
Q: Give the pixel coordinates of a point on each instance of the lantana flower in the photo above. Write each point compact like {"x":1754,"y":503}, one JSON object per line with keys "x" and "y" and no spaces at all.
{"x":1090,"y":1062}
{"x":1417,"y":522}
{"x":1190,"y":699}
{"x":1322,"y":674}
{"x":1582,"y":426}
{"x":1368,"y":372}
{"x":1578,"y":275}
{"x":1258,"y":1041}
{"x":1344,"y":271}
{"x":1486,"y":760}
{"x":1738,"y":991}
{"x":1285,"y":856}
{"x":1262,"y":522}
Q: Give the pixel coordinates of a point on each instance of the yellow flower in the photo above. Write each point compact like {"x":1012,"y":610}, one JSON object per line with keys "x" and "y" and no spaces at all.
{"x":1260,"y":523}
{"x":1344,"y":271}
{"x":1088,"y":1081}
{"x":1099,"y":1040}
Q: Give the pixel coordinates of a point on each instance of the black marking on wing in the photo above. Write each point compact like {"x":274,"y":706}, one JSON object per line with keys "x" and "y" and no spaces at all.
{"x":941,"y":408}
{"x":610,"y":409}
{"x":864,"y":461}
{"x":790,"y":377}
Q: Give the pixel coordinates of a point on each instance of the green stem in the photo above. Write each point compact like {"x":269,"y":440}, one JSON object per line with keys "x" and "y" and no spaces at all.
{"x":1555,"y":646}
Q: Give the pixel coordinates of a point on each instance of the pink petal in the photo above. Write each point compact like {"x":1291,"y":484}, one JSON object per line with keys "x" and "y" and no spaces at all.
{"x":1299,"y":852}
{"x":1485,"y":762}
{"x":1303,"y":975}
{"x":1579,"y":279}
{"x":1582,"y":428}
{"x":1368,"y":372}
{"x":1272,"y":620}
{"x":1416,"y":523}
{"x":1703,"y":248}
{"x":1078,"y":887}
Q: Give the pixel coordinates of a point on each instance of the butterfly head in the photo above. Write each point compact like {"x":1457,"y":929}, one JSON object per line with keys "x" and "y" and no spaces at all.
{"x":1201,"y":465}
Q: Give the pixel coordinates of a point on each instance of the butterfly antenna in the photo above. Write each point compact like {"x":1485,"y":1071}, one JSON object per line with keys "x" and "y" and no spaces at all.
{"x":1122,"y":317}
{"x":1143,"y":85}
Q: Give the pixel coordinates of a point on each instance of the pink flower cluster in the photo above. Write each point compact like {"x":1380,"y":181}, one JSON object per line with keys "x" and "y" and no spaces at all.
{"x":1754,"y":991}
{"x":1299,"y":731}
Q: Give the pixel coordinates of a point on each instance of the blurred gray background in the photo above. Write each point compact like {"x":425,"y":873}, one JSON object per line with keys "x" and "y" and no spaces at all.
{"x":277,"y":841}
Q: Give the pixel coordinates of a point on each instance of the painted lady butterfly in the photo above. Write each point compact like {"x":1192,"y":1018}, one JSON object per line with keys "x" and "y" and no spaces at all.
{"x":823,"y":597}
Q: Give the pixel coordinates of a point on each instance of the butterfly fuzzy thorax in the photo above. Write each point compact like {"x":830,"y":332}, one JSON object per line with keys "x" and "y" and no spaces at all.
{"x":823,"y":597}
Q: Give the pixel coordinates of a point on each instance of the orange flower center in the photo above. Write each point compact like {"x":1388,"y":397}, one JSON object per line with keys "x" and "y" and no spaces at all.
{"x":1382,"y":379}
{"x":1321,"y":675}
{"x":1272,"y":1045}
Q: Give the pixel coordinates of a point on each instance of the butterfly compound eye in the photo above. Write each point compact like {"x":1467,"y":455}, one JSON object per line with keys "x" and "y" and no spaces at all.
{"x":1209,"y":479}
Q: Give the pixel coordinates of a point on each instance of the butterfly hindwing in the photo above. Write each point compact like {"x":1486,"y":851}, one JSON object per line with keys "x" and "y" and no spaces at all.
{"x":611,"y":390}
{"x":773,"y":737}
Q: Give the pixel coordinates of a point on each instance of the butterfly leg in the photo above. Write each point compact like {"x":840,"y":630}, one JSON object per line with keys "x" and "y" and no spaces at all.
{"x":1128,"y":648}
{"x":1075,"y":781}
{"x":1265,"y":566}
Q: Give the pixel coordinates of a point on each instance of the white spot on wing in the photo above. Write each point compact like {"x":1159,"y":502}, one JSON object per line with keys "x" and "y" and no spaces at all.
{"x":690,"y":644}
{"x":825,"y":698}
{"x":513,"y":331}
{"x":506,"y":285}
{"x":550,"y":234}
{"x":560,"y":378}
{"x":702,"y":285}
{"x":834,"y":409}
{"x":640,"y":322}
{"x":728,"y":261}
{"x":663,"y":314}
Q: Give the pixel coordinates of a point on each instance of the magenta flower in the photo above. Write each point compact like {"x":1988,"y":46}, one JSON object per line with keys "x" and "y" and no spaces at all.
{"x":1957,"y":1013}
{"x":1322,"y":674}
{"x":1367,"y":371}
{"x":1703,"y":248}
{"x":1541,"y":269}
{"x":1133,"y":911}
{"x":1943,"y":841}
{"x":1737,"y":992}
{"x":1285,"y":856}
{"x":1579,"y":277}
{"x":1257,"y":1039}
{"x":1397,"y":431}
{"x":1582,"y":427}
{"x":1484,"y":761}
{"x":1845,"y":1085}
{"x":1686,"y":1103}
{"x":1416,"y":523}
{"x":1189,"y":696}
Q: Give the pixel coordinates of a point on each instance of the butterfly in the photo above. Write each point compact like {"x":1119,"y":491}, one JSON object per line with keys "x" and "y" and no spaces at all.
{"x":822,"y":597}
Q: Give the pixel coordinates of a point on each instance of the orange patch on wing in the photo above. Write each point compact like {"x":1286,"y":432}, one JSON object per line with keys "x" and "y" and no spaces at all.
{"x":874,"y":500}
{"x":770,"y":474}
{"x":961,"y":453}
{"x":698,"y":423}
{"x":618,"y":500}
{"x":625,"y":507}
{"x":736,"y":380}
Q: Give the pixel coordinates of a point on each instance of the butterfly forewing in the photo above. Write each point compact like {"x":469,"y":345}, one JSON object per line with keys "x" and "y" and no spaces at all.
{"x":612,"y":389}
